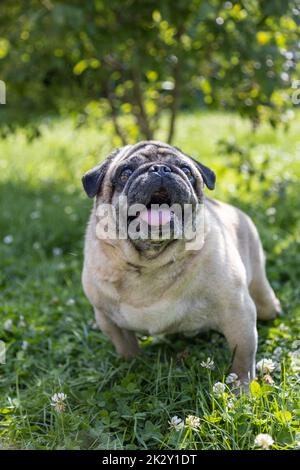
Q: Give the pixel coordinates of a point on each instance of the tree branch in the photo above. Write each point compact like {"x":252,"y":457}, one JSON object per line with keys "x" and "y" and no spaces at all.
{"x":141,"y":115}
{"x":157,"y":115}
{"x":175,"y":102}
{"x":114,"y":115}
{"x":176,"y":90}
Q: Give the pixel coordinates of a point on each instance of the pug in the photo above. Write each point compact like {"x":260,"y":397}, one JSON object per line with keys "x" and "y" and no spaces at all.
{"x":211,"y":278}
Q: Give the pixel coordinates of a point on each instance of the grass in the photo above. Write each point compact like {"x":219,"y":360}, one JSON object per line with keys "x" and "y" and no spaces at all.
{"x":48,"y":326}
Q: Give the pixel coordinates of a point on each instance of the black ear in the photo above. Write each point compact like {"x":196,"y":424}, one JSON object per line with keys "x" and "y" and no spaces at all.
{"x":93,"y":178}
{"x":208,"y":175}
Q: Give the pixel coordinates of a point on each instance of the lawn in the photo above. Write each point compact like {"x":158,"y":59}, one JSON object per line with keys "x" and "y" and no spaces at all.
{"x":52,"y":344}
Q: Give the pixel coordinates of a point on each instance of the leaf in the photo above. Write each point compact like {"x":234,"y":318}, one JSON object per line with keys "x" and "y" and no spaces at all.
{"x":263,"y":37}
{"x":259,"y":422}
{"x":152,"y":75}
{"x":212,"y":418}
{"x":283,"y":416}
{"x":80,"y":67}
{"x":255,"y":389}
{"x":4,"y":47}
{"x":5,"y":411}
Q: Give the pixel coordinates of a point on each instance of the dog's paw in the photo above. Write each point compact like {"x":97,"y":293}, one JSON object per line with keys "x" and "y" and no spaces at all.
{"x":129,"y":353}
{"x":242,"y":388}
{"x":270,"y":312}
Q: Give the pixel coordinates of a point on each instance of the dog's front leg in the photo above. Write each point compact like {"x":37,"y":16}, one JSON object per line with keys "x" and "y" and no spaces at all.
{"x":124,"y":341}
{"x":241,"y":334}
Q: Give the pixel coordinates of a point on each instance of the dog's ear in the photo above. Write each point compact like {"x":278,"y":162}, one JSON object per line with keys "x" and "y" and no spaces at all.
{"x":207,"y":174}
{"x":92,"y":179}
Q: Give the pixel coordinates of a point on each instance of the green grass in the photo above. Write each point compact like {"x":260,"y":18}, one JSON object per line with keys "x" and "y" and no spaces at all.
{"x":52,"y":345}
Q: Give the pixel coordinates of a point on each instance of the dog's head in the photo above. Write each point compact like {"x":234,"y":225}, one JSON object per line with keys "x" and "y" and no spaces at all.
{"x":153,"y":177}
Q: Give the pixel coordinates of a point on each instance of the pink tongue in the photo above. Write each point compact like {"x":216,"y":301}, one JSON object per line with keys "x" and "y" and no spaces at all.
{"x":156,"y":216}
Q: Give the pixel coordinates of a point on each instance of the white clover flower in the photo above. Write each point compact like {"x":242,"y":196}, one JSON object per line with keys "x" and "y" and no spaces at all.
{"x":192,"y":422}
{"x":264,"y":440}
{"x":57,"y":251}
{"x":21,"y":323}
{"x":232,"y":378}
{"x":228,"y":5}
{"x":268,"y":379}
{"x":295,"y":361}
{"x":277,"y":353}
{"x":35,"y":215}
{"x":220,"y":20}
{"x":8,"y":324}
{"x":230,"y":404}
{"x":208,"y":364}
{"x":271,"y":211}
{"x":25,"y":345}
{"x":58,"y":402}
{"x":265,"y":366}
{"x":176,"y":423}
{"x":283,"y":327}
{"x":294,"y":354}
{"x":8,"y":239}
{"x":219,"y":389}
{"x":70,"y":302}
{"x":284,"y":76}
{"x":247,"y":409}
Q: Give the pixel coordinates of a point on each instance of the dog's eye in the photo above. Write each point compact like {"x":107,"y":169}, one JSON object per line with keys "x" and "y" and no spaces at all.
{"x":187,"y":171}
{"x":125,"y":175}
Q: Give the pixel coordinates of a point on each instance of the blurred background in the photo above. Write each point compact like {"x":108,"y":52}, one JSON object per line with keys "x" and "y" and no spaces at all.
{"x":221,"y":80}
{"x":127,"y":66}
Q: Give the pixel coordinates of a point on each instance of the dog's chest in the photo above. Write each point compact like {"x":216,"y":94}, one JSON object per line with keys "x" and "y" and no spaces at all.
{"x":153,"y":310}
{"x":166,"y":301}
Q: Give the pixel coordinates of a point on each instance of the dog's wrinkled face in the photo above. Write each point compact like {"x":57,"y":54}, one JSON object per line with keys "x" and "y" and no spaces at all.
{"x":156,"y":176}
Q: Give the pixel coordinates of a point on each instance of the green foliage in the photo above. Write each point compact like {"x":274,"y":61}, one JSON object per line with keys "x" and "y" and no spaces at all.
{"x":52,"y":345}
{"x":137,"y":59}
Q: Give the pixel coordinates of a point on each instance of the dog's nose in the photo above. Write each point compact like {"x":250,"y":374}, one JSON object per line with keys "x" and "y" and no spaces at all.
{"x":160,"y":169}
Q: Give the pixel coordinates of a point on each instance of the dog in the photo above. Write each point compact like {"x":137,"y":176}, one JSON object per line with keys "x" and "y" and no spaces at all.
{"x":140,"y":285}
